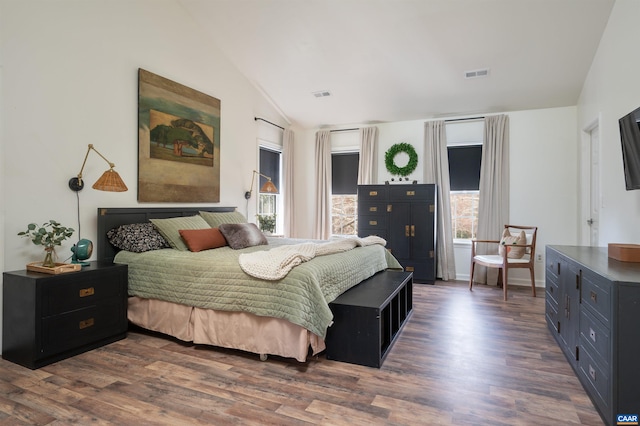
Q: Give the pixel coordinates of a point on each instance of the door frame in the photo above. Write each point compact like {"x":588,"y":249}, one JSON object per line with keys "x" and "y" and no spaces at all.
{"x":585,"y":179}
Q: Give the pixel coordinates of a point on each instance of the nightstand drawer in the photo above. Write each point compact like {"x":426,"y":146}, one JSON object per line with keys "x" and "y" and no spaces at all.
{"x":83,"y":326}
{"x":85,"y":290}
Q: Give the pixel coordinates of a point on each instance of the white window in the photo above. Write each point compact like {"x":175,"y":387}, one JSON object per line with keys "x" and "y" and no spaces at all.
{"x":344,"y":193}
{"x":269,"y":205}
{"x":464,"y":140}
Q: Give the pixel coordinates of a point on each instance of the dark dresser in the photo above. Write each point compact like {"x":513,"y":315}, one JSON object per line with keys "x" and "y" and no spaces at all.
{"x":47,"y":318}
{"x":593,"y":312}
{"x":404,"y":215}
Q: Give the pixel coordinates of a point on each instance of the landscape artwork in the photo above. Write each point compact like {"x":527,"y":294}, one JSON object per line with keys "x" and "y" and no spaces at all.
{"x":178,"y":142}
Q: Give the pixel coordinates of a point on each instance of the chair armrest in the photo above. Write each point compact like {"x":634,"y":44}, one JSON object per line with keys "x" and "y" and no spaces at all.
{"x":474,"y":242}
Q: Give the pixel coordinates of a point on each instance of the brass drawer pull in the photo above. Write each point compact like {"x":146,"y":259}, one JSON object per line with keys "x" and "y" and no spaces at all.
{"x":411,"y":193}
{"x":373,"y":193}
{"x":84,"y":292}
{"x":86,"y":323}
{"x":594,"y":296}
{"x":373,"y":222}
{"x":413,"y":230}
{"x":409,"y":269}
{"x":373,"y":209}
{"x":406,"y":230}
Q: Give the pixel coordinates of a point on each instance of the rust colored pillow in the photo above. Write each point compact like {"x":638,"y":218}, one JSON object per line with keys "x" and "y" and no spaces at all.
{"x":203,"y":239}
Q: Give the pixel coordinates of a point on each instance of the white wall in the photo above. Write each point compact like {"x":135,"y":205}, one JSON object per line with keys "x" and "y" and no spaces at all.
{"x":611,"y":91}
{"x":543,"y":146}
{"x":69,"y":71}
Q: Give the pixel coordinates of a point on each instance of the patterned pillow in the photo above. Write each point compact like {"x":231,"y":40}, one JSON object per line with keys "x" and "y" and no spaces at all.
{"x":506,"y":242}
{"x":242,"y":235}
{"x":215,"y":219}
{"x":137,"y":237}
{"x":169,"y":228}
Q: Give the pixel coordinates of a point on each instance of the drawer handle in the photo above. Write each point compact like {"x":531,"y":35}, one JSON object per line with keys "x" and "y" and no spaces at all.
{"x":86,"y":323}
{"x":413,"y":230}
{"x":594,"y":296}
{"x":84,"y":292}
{"x":373,"y":193}
{"x":592,"y":372}
{"x":411,"y":193}
{"x":373,"y":209}
{"x":373,"y":222}
{"x":592,"y":334}
{"x":409,"y":269}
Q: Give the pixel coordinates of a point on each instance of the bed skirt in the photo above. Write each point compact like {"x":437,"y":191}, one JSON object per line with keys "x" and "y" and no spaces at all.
{"x":236,"y":330}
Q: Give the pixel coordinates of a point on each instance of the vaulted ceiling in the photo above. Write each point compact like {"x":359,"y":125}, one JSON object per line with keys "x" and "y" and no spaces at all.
{"x":395,"y":60}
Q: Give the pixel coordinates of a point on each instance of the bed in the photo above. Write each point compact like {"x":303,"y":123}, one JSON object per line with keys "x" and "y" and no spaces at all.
{"x":206,"y":297}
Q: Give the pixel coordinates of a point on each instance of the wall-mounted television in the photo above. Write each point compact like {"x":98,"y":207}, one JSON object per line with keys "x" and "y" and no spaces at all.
{"x":630,"y":137}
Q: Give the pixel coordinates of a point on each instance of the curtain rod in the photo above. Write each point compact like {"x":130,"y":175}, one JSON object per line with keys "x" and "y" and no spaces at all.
{"x":464,"y":119}
{"x":344,"y":130}
{"x":273,"y":124}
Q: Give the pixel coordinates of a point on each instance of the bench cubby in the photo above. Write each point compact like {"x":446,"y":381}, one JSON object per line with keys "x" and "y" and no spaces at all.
{"x":369,"y":317}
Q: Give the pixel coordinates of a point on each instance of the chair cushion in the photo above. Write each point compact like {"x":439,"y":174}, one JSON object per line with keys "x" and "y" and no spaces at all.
{"x":506,"y":242}
{"x":494,"y":259}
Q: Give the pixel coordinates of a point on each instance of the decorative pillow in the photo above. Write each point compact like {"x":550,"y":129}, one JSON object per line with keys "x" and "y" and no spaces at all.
{"x":507,"y":240}
{"x":215,"y":219}
{"x":169,"y":228}
{"x":203,"y":239}
{"x":137,"y":237}
{"x":242,"y":235}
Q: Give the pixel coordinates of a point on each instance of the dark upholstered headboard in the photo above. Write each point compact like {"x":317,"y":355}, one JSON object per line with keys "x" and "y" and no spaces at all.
{"x":109,"y":218}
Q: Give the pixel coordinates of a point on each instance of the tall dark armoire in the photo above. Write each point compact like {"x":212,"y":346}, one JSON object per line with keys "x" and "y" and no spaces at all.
{"x":405,"y":216}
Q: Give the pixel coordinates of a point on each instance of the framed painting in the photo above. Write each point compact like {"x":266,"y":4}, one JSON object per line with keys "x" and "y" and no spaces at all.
{"x":178,"y":142}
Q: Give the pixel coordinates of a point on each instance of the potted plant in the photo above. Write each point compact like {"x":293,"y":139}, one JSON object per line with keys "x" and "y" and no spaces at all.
{"x":267,"y":222}
{"x":49,"y":234}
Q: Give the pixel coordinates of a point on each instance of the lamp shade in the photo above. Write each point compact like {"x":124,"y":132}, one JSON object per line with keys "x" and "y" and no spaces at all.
{"x":110,"y":181}
{"x":269,"y":187}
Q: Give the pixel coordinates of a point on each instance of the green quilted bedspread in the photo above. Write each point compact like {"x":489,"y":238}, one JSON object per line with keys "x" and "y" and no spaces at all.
{"x":213,"y":279}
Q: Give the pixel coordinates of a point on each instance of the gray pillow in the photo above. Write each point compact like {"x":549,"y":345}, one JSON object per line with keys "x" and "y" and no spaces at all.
{"x":242,"y":235}
{"x":170,"y":229}
{"x":215,"y":219}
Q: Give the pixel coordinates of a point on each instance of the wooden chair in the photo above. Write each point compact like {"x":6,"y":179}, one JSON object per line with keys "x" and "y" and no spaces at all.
{"x":505,"y":263}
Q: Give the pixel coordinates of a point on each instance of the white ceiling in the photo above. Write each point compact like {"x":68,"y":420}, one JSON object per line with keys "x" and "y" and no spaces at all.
{"x":395,"y":60}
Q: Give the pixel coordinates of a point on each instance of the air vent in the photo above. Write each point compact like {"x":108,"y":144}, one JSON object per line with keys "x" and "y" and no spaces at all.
{"x":321,"y":94}
{"x":477,"y":73}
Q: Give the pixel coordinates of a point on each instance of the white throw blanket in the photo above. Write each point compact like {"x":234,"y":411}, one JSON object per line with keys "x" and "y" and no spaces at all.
{"x":275,"y":264}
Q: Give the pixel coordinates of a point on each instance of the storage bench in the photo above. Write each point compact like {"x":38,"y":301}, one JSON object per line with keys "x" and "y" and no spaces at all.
{"x":368,"y":318}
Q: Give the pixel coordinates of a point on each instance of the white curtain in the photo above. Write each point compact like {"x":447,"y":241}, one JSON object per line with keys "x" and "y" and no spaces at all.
{"x":287,"y":183}
{"x":368,"y":153}
{"x":493,"y":209}
{"x":322,"y":229}
{"x":436,"y":170}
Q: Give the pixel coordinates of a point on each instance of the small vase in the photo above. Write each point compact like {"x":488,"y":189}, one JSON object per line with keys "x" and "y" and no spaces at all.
{"x":48,"y":258}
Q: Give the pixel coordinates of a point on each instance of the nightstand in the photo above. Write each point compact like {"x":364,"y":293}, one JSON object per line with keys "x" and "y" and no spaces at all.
{"x":47,"y":318}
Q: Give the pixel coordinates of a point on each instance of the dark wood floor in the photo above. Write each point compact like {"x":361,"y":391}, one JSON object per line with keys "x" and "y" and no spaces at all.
{"x":463,"y":358}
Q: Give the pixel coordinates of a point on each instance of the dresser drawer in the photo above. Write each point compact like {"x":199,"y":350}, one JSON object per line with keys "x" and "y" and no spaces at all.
{"x":596,"y":337}
{"x":551,"y":313}
{"x":594,"y":379}
{"x":81,"y":291}
{"x":552,"y":290}
{"x":372,"y":208}
{"x":372,"y":193}
{"x":72,"y":329}
{"x":411,"y":192}
{"x":596,"y":296}
{"x":372,"y":221}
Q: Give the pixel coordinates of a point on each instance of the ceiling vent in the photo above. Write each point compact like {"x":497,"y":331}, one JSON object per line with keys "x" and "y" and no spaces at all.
{"x":321,"y":94}
{"x":477,"y":73}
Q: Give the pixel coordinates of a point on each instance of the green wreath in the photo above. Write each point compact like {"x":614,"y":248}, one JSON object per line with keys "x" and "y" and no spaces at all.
{"x":390,"y":156}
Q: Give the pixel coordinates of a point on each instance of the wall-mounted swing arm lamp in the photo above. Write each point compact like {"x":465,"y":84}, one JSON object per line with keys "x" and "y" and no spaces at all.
{"x":109,"y":181}
{"x":267,"y":187}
